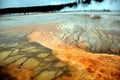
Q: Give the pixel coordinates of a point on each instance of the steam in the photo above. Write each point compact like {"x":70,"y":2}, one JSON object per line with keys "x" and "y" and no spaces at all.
{"x":95,"y":5}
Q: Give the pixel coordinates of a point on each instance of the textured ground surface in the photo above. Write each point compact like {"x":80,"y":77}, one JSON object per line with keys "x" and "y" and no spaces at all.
{"x":61,"y":46}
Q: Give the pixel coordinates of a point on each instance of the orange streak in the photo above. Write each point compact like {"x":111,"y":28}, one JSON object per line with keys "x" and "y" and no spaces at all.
{"x":87,"y":65}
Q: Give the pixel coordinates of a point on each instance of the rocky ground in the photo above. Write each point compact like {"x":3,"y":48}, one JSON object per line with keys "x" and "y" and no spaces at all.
{"x":60,"y":46}
{"x":20,"y":59}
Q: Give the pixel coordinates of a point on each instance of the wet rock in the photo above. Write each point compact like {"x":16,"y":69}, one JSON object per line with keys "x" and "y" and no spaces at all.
{"x":37,"y":69}
{"x":20,"y":61}
{"x":33,"y":50}
{"x":15,"y":52}
{"x":59,"y":64}
{"x":4,"y":54}
{"x":46,"y":75}
{"x":12,"y":45}
{"x":11,"y":60}
{"x":49,"y":59}
{"x":43,"y":55}
{"x":31,"y":63}
{"x":28,"y":48}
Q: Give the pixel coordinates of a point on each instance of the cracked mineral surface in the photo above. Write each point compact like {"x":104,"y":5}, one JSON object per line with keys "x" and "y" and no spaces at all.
{"x":60,"y":46}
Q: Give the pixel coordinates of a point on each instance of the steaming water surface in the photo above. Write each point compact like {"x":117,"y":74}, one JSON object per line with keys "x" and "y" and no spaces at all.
{"x":92,"y":32}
